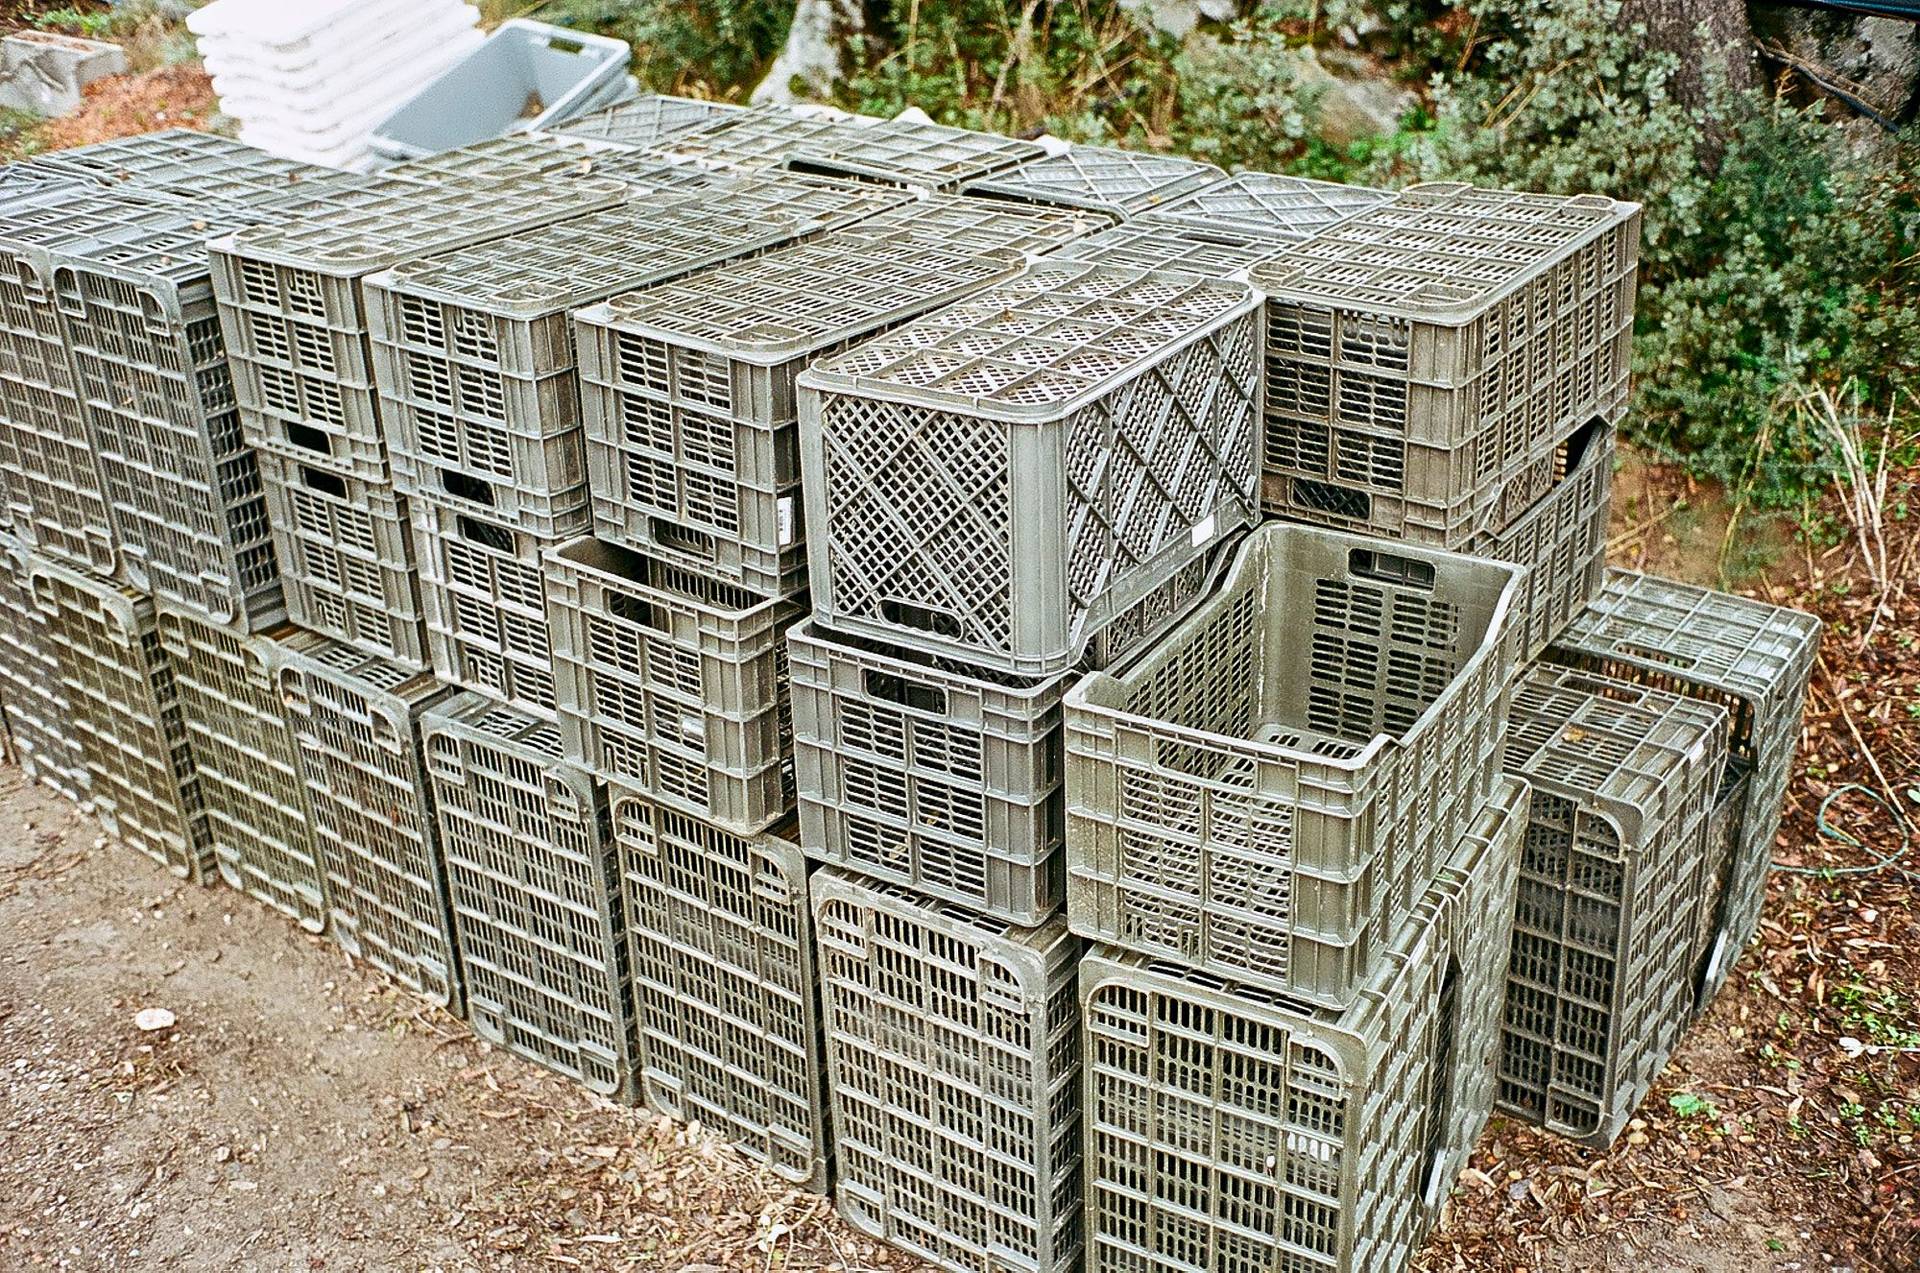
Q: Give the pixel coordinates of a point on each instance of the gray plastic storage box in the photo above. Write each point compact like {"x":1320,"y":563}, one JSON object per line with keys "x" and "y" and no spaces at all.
{"x":473,"y":352}
{"x":1424,"y":355}
{"x":673,"y":682}
{"x":953,"y":1075}
{"x":925,"y":772}
{"x":40,"y":716}
{"x":999,"y":480}
{"x":228,"y":684}
{"x":1562,"y":538}
{"x":1754,"y":659}
{"x":688,"y":389}
{"x":292,"y":311}
{"x":1264,"y":205}
{"x":527,"y":75}
{"x":1120,"y":183}
{"x":725,"y":985}
{"x":356,"y":720}
{"x":483,"y":596}
{"x":907,"y":152}
{"x":646,"y":120}
{"x":1233,"y":1129}
{"x":535,"y":891}
{"x":345,"y":547}
{"x":1612,"y":884}
{"x":1267,"y":791}
{"x":1147,"y":244}
{"x":126,"y":717}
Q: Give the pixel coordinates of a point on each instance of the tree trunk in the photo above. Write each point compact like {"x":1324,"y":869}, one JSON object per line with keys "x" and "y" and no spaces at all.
{"x":1708,"y":36}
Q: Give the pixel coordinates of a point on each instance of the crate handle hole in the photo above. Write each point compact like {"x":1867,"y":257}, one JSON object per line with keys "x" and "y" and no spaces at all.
{"x":897,"y":689}
{"x":326,"y":483}
{"x":497,"y":538}
{"x":462,"y":486}
{"x":632,"y":609}
{"x":1370,"y":563}
{"x":906,"y":614}
{"x":561,"y":45}
{"x":308,"y":438}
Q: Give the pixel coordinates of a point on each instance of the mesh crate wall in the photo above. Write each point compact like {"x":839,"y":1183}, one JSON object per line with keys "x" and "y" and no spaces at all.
{"x":1239,"y":1131}
{"x":1612,"y":883}
{"x":1423,"y":355}
{"x":1266,"y":792}
{"x":356,"y":719}
{"x":999,"y":480}
{"x":953,"y":1073}
{"x":1277,"y":210}
{"x":40,"y":715}
{"x":1754,"y":659}
{"x":126,"y":717}
{"x":249,"y":775}
{"x":1119,"y":183}
{"x":725,"y":984}
{"x":534,"y":886}
{"x":911,"y":152}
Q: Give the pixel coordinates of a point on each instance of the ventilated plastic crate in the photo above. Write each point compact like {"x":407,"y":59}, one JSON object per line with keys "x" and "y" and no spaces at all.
{"x":925,"y":772}
{"x":1001,"y":479}
{"x":1121,"y":183}
{"x":1281,"y":210}
{"x":346,"y":554}
{"x":39,"y":713}
{"x":126,"y":717}
{"x":1430,"y":350}
{"x":151,"y":369}
{"x":1151,"y":617}
{"x":200,"y":169}
{"x":1727,"y":891}
{"x":956,"y":223}
{"x":473,"y":352}
{"x":909,"y":152}
{"x":228,"y":685}
{"x":953,"y":1075}
{"x":1752,"y":658}
{"x":1562,"y":538}
{"x":759,"y":137}
{"x":1167,"y":245}
{"x":646,"y":120}
{"x":724,"y":983}
{"x":292,"y":311}
{"x":534,"y":884}
{"x":1234,"y":1130}
{"x":356,"y":721}
{"x":1267,"y":791}
{"x":1612,"y":882}
{"x":673,"y":682}
{"x":687,"y":391}
{"x":552,"y":156}
{"x":482,"y":590}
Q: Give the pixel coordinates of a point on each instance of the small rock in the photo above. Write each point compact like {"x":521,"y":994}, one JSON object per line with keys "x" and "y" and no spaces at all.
{"x":151,"y":1019}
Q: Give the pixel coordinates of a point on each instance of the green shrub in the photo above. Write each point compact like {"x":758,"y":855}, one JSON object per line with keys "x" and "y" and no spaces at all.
{"x":717,"y":46}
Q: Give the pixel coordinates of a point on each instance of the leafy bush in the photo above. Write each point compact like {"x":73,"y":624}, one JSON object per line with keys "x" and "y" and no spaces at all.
{"x":717,"y":46}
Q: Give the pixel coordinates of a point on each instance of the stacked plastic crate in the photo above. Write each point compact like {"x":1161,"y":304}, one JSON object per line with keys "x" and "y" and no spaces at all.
{"x":990,"y":491}
{"x":668,"y":625}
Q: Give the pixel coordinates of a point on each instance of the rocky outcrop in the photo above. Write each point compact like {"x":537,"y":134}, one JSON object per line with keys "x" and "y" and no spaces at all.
{"x":814,"y":59}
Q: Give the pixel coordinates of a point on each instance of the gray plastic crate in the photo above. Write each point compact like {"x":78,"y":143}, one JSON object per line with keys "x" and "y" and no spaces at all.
{"x":473,"y":352}
{"x":688,"y":400}
{"x":1121,"y":183}
{"x":356,"y":720}
{"x":1167,"y":245}
{"x":1155,"y":614}
{"x":228,"y":685}
{"x":199,"y":169}
{"x":908,"y":152}
{"x":955,"y":223}
{"x":292,"y":310}
{"x":725,"y":984}
{"x":188,"y":511}
{"x":1612,"y":882}
{"x":1264,"y":205}
{"x":1422,"y":355}
{"x":1266,"y":792}
{"x":534,"y":883}
{"x":1562,"y":538}
{"x":673,"y":682}
{"x":551,"y":156}
{"x":345,"y":548}
{"x":1752,"y":658}
{"x":759,"y":137}
{"x":1235,"y":1130}
{"x":39,"y":713}
{"x":646,"y":120}
{"x":126,"y":717}
{"x":953,"y":1075}
{"x":482,"y":591}
{"x":1001,"y":479}
{"x":526,"y":75}
{"x":928,"y":773}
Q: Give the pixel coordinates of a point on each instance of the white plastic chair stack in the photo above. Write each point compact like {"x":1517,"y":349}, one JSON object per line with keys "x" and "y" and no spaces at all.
{"x":310,"y":81}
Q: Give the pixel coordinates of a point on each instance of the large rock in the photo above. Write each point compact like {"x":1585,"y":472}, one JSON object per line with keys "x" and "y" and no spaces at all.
{"x":1351,"y":96}
{"x":814,"y":59}
{"x":1178,"y":18}
{"x":43,"y":72}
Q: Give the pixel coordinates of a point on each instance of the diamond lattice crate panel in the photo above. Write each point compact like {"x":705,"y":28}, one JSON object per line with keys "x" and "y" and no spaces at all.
{"x":911,"y":152}
{"x":646,"y":120}
{"x":1122,"y":183}
{"x":1263,"y":205}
